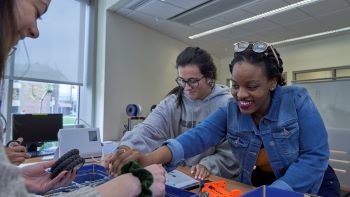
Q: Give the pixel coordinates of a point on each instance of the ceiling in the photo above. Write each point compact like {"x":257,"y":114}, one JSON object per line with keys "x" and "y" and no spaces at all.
{"x":182,"y":18}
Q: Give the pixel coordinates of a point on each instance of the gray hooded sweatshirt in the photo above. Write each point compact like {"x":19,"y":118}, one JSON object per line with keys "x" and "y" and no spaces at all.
{"x":168,"y":121}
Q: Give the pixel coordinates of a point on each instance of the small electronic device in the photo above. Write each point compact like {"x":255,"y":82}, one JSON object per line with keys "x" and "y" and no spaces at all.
{"x":35,"y":129}
{"x":69,"y":161}
{"x":86,"y":140}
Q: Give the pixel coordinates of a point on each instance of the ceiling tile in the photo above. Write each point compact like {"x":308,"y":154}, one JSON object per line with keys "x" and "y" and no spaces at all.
{"x":186,"y":4}
{"x":176,"y":28}
{"x":159,"y":9}
{"x":333,"y":20}
{"x":258,"y":25}
{"x":233,"y":16}
{"x":277,"y":34}
{"x":144,"y":19}
{"x":318,"y":17}
{"x":208,"y":24}
{"x":124,"y":11}
{"x":308,"y":26}
{"x":251,"y":37}
{"x":322,"y":7}
{"x":288,"y":17}
{"x":264,"y":6}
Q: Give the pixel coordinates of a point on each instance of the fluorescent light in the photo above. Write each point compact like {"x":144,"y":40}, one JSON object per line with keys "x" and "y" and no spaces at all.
{"x":311,"y":36}
{"x":254,"y":18}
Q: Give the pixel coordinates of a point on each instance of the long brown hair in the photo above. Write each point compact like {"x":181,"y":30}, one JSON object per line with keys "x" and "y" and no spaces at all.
{"x":7,"y":31}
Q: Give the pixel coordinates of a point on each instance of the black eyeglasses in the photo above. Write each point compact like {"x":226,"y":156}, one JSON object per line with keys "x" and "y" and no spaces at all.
{"x":258,"y":47}
{"x":192,"y":82}
{"x":12,"y":51}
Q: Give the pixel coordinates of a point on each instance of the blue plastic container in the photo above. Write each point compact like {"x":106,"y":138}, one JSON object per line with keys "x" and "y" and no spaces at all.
{"x":91,"y":173}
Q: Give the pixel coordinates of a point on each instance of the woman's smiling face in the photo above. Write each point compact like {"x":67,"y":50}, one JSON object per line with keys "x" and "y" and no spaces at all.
{"x":251,"y":88}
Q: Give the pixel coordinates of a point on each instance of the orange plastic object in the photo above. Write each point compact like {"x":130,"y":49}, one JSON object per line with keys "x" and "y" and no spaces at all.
{"x":218,"y":189}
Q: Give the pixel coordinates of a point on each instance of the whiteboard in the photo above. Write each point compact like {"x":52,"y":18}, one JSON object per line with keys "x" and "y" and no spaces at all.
{"x":332,"y":99}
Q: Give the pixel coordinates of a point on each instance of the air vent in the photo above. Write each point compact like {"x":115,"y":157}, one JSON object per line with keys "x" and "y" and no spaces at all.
{"x":207,"y":10}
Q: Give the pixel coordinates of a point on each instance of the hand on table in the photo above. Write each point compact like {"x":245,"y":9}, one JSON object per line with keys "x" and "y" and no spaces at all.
{"x":200,"y":172}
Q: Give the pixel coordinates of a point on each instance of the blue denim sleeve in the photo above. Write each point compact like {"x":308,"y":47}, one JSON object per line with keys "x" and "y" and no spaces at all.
{"x":177,"y":153}
{"x":306,"y":173}
{"x":194,"y":141}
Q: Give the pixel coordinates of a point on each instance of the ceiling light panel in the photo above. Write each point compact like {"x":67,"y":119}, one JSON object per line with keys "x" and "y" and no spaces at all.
{"x":208,"y":24}
{"x":257,"y":17}
{"x":262,"y":6}
{"x":341,"y":30}
{"x":289,"y":17}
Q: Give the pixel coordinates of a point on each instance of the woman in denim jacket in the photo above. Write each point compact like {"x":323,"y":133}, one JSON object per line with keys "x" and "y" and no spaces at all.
{"x":276,"y":132}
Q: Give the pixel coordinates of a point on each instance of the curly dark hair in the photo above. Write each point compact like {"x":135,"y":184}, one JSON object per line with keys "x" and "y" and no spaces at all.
{"x":273,"y":68}
{"x":195,"y":56}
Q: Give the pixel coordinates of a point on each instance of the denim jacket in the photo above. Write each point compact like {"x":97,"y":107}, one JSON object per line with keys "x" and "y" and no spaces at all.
{"x":292,"y":132}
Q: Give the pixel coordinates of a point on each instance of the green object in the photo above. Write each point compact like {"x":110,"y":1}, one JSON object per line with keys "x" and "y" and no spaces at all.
{"x":142,"y":174}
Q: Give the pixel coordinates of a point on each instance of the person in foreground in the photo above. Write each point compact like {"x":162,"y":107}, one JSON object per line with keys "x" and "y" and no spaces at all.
{"x":17,"y":21}
{"x":275,"y":132}
{"x":195,"y":97}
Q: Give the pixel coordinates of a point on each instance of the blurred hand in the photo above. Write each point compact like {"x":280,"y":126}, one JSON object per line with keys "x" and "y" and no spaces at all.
{"x":109,"y":157}
{"x":17,"y":153}
{"x":122,"y":157}
{"x":38,"y":181}
{"x":200,"y":172}
{"x":158,"y":185}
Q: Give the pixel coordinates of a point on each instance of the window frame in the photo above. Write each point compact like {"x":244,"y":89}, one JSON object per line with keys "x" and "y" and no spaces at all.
{"x":87,"y":57}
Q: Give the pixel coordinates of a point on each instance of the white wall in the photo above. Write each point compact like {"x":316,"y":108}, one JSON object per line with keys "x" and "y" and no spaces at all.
{"x":135,"y":64}
{"x":320,"y":53}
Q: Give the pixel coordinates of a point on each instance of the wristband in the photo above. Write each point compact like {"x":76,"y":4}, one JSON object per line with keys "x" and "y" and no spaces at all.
{"x":145,"y":177}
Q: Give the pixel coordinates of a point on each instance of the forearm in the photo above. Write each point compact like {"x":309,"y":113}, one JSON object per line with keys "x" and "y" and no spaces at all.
{"x":120,"y":186}
{"x":162,"y":155}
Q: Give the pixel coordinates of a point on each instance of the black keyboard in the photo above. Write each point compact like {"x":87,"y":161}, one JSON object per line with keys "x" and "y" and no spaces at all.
{"x":41,"y":153}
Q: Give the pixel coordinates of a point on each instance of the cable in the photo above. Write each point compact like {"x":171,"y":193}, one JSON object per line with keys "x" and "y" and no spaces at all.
{"x":85,"y":123}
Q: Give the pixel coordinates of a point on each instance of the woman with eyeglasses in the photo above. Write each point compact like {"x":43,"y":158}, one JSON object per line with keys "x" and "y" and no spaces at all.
{"x":275,"y":131}
{"x":18,"y":21}
{"x":185,"y":106}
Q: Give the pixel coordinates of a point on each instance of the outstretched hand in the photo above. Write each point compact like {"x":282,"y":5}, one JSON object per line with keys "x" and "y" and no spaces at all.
{"x":122,"y":157}
{"x":38,"y":181}
{"x":200,"y":172}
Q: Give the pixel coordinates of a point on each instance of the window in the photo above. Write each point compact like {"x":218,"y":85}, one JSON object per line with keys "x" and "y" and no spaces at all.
{"x":34,"y":97}
{"x":46,"y":75}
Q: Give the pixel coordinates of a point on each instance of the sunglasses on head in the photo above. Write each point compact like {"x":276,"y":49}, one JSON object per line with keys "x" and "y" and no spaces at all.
{"x":258,"y":47}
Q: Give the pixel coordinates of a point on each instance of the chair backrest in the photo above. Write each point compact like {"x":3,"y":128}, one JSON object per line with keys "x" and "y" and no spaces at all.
{"x":339,"y":142}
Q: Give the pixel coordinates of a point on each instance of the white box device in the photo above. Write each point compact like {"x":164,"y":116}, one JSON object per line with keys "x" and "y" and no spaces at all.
{"x":87,"y":140}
